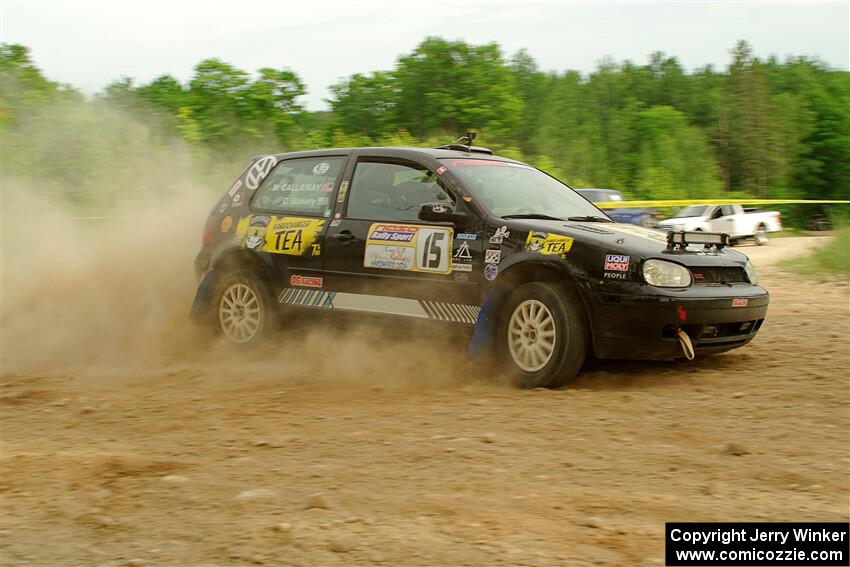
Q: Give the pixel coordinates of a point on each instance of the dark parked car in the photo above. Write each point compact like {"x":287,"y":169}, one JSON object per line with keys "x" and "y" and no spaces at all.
{"x":457,"y":236}
{"x":639,"y":216}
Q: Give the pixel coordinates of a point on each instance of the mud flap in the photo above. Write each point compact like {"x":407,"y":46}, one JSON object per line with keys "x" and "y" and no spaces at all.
{"x":204,"y":297}
{"x":483,"y":341}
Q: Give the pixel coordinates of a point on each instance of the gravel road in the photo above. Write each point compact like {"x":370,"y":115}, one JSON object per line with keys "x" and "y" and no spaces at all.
{"x":324,"y":449}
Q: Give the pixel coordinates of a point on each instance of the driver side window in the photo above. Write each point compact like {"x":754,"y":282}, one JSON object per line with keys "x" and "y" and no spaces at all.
{"x":390,"y":191}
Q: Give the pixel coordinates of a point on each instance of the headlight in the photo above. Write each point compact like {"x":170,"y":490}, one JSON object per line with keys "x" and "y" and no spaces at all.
{"x":751,"y":273}
{"x":662,"y":273}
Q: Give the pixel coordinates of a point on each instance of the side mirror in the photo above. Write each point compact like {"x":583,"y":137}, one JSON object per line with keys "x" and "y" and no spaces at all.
{"x":441,"y":212}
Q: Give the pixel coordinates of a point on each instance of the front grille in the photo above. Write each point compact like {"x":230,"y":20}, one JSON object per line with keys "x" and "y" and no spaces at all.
{"x":712,"y":275}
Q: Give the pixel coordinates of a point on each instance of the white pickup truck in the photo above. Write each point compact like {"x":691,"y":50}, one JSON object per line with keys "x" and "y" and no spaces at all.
{"x":738,"y":223}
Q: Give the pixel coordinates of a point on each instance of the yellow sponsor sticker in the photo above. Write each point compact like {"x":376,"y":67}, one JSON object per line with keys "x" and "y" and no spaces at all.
{"x":293,"y":236}
{"x":548,"y":243}
{"x":226,"y":223}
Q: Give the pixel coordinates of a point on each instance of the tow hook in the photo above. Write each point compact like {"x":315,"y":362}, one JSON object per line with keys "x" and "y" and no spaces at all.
{"x":685,"y":341}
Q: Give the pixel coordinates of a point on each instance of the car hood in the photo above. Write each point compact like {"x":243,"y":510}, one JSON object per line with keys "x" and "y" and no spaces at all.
{"x":632,"y":240}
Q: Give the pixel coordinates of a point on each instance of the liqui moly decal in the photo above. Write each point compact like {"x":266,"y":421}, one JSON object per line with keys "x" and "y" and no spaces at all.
{"x":615,"y":263}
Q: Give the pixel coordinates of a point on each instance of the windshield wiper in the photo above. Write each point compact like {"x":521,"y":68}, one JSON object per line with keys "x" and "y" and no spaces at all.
{"x":590,"y":218}
{"x":531,"y":216}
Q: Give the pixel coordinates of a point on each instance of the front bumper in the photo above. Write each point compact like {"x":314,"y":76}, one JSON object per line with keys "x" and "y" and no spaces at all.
{"x":643,"y":326}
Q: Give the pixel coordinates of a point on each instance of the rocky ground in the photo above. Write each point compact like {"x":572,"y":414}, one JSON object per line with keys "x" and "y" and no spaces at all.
{"x":325,"y":450}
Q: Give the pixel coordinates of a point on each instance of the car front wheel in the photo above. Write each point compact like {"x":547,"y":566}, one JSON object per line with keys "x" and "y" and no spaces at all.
{"x":543,"y":335}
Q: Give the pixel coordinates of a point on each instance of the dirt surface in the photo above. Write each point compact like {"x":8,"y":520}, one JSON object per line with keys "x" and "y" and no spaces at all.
{"x":310,"y":453}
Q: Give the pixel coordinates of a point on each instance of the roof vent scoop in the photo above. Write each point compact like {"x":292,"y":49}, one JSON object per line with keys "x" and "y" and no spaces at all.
{"x":464,"y":144}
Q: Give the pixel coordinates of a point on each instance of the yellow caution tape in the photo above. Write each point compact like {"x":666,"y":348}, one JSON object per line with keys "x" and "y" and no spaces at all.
{"x":686,"y":202}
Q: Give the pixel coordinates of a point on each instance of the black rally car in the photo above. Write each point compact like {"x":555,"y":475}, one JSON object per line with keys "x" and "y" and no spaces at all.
{"x":456,"y":235}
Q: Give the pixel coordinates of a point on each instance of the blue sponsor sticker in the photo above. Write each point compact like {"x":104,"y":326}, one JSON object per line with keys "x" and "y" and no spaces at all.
{"x":491,"y":271}
{"x":466,"y":236}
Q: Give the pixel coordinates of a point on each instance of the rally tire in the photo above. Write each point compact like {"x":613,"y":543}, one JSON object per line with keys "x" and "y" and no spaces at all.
{"x":543,"y":336}
{"x":243,"y":311}
{"x":761,"y":237}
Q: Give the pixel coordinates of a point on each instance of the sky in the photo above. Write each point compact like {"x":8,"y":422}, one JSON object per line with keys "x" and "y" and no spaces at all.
{"x":90,"y":43}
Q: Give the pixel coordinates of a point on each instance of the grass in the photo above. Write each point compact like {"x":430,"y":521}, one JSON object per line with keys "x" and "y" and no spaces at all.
{"x":833,"y":258}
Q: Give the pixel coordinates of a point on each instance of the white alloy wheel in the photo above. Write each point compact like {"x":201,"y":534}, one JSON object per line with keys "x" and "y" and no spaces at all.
{"x":531,"y":335}
{"x":239,"y":313}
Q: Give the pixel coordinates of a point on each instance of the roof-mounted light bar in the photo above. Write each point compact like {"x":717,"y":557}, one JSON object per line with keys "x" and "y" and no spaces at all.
{"x":681,"y":239}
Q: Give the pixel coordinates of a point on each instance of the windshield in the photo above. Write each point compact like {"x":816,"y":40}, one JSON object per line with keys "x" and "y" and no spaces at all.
{"x":692,"y":211}
{"x":513,"y":189}
{"x":597,"y":196}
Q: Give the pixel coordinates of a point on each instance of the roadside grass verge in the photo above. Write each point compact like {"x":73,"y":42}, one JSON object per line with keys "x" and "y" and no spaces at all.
{"x":832,"y":258}
{"x":791,"y":232}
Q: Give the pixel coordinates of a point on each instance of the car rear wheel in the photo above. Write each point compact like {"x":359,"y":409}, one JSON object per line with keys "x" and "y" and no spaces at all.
{"x":243,"y":309}
{"x":543,"y":335}
{"x":761,"y":235}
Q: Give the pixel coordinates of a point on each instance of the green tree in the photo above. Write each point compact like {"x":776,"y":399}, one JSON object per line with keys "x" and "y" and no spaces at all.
{"x":531,"y":86}
{"x":653,"y":130}
{"x":165,"y":92}
{"x":748,"y":123}
{"x":675,"y":158}
{"x":23,"y":88}
{"x":366,"y":105}
{"x":442,"y":86}
{"x":222,"y":105}
{"x":445,"y":85}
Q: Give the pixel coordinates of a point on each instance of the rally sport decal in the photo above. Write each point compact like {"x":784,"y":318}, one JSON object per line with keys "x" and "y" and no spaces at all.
{"x":409,"y":247}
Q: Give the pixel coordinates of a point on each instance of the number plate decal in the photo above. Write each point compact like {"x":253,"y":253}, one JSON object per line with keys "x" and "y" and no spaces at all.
{"x":410,"y":248}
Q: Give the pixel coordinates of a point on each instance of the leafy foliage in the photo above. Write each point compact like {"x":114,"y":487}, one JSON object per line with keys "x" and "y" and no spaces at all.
{"x":760,"y":128}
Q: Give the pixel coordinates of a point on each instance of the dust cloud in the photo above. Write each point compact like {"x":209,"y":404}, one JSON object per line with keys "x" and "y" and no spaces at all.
{"x":97,"y":271}
{"x":104,"y":291}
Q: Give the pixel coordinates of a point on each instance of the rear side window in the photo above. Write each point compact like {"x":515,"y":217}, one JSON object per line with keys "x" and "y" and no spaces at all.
{"x":393,"y":191}
{"x":301,"y":186}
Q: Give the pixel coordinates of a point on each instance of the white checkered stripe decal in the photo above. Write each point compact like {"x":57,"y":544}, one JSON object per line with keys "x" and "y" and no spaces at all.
{"x":306,"y":297}
{"x":455,"y":312}
{"x":422,"y":309}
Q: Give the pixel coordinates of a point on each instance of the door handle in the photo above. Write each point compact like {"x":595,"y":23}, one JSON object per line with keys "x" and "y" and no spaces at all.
{"x":344,"y":236}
